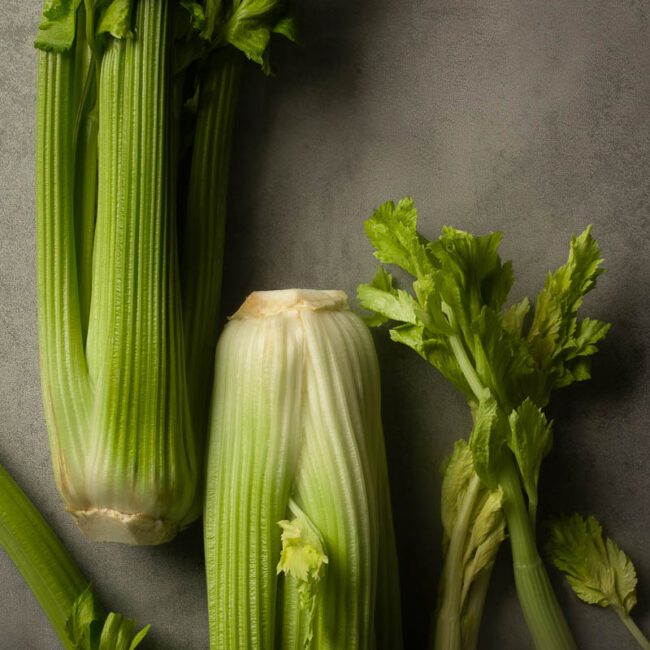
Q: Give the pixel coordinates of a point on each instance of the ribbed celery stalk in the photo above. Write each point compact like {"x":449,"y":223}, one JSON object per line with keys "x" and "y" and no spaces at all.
{"x":116,"y":402}
{"x":65,"y":384}
{"x":129,"y":255}
{"x":54,"y":579}
{"x":141,"y":464}
{"x":296,"y":434}
{"x":542,"y":612}
{"x":48,"y":570}
{"x":204,"y":230}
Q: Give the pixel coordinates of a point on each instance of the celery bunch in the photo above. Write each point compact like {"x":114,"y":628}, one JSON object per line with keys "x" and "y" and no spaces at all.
{"x":506,"y":365}
{"x":299,"y":542}
{"x":135,"y":112}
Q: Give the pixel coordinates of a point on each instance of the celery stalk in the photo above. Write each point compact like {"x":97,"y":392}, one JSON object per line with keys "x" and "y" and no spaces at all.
{"x":38,"y":554}
{"x":296,"y":434}
{"x":542,"y":612}
{"x":134,"y":346}
{"x":204,"y":229}
{"x":129,"y":257}
{"x":55,"y":580}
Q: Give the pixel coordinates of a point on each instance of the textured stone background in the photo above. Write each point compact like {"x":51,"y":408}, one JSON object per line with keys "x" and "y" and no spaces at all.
{"x":528,"y":116}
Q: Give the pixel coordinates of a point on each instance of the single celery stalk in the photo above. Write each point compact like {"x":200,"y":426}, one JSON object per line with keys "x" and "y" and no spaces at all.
{"x":296,"y":435}
{"x":134,"y":347}
{"x":473,"y":526}
{"x":55,"y":580}
{"x":544,"y":617}
{"x":129,"y":255}
{"x":204,"y":232}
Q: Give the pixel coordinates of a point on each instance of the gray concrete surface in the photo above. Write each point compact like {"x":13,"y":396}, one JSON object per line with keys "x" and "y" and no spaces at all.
{"x":528,"y":116}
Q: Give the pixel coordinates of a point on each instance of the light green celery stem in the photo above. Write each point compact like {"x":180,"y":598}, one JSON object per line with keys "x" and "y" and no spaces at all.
{"x":251,"y":462}
{"x":64,"y":376}
{"x":335,"y":489}
{"x":204,"y":227}
{"x":473,"y":613}
{"x":48,"y":570}
{"x":448,"y":626}
{"x":634,"y":630}
{"x":85,"y":148}
{"x":142,"y":458}
{"x":542,"y":612}
{"x":388,"y":610}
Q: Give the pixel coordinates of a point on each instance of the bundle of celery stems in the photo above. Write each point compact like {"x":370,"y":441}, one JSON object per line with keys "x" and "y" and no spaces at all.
{"x":274,"y":435}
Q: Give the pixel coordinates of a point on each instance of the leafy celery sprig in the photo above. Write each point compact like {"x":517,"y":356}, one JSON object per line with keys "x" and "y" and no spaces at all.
{"x":598,"y":570}
{"x":505,"y":367}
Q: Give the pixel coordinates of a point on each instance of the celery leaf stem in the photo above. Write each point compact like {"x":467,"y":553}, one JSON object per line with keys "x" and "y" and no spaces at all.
{"x":634,"y":630}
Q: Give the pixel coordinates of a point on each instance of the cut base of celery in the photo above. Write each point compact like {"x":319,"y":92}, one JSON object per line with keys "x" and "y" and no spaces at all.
{"x":261,"y":304}
{"x":108,"y":525}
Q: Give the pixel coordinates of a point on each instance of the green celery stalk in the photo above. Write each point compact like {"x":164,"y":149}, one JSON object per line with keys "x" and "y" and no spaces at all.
{"x":204,"y":230}
{"x":129,"y":257}
{"x":55,"y":580}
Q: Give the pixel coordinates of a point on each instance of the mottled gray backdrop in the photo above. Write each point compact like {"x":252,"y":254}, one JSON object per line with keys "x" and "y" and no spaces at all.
{"x":527,"y":116}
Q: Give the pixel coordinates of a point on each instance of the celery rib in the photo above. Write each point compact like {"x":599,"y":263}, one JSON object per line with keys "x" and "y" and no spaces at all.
{"x":204,"y":231}
{"x":48,"y":570}
{"x":142,"y":434}
{"x":542,"y":612}
{"x":65,"y":385}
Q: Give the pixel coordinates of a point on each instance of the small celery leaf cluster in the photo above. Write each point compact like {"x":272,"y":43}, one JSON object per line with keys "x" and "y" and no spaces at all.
{"x":303,"y":557}
{"x":89,"y":628}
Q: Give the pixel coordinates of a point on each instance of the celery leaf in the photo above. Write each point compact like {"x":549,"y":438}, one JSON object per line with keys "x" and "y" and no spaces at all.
{"x":530,"y":440}
{"x":303,"y":557}
{"x":472,"y":515}
{"x":559,"y":343}
{"x":250,"y":25}
{"x":501,"y":358}
{"x":115,"y":19}
{"x":56,"y":31}
{"x":392,"y":231}
{"x":514,"y":317}
{"x":599,"y":572}
{"x":455,"y":483}
{"x":487,"y":533}
{"x":488,"y":440}
{"x":386,"y":302}
{"x":90,"y":629}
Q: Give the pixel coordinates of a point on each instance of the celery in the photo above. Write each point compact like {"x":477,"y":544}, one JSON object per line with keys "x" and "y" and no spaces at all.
{"x":299,"y":541}
{"x":507,"y":370}
{"x":55,"y":580}
{"x":598,"y":570}
{"x":129,"y":255}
